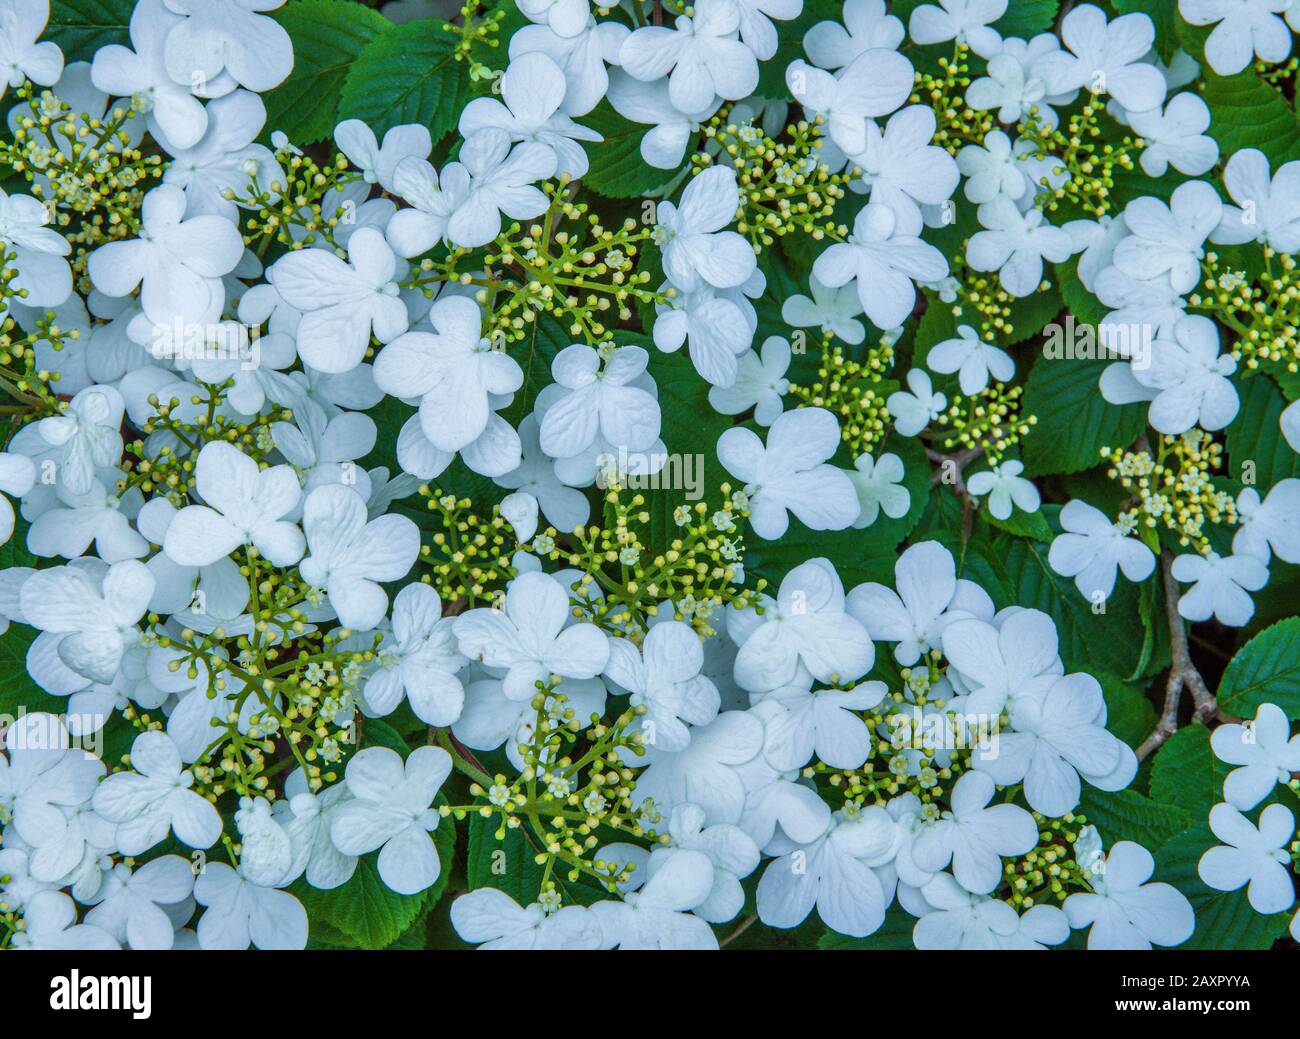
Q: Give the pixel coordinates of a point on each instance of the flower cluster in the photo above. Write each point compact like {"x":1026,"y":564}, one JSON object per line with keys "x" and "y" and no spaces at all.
{"x":438,"y":470}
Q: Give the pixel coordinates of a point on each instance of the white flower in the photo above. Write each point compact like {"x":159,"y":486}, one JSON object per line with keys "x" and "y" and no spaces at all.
{"x":177,"y":263}
{"x":1269,"y":209}
{"x":43,"y":782}
{"x":756,"y":28}
{"x":1014,"y":84}
{"x":17,"y":477}
{"x":129,"y":904}
{"x":706,"y":771}
{"x":592,"y":400}
{"x":1189,"y":378}
{"x":998,"y":663}
{"x":992,"y":169}
{"x":1170,"y":239}
{"x":419,"y":661}
{"x":929,"y":598}
{"x":533,"y":90}
{"x":142,"y":74}
{"x":342,"y":302}
{"x":222,"y":159}
{"x":1092,"y":548}
{"x":38,"y":251}
{"x":50,"y":922}
{"x":1124,"y":911}
{"x":21,"y":57}
{"x":834,"y":873}
{"x":454,"y":371}
{"x":806,"y":625}
{"x":878,"y":483}
{"x":760,"y":383}
{"x":492,"y":919}
{"x":563,"y":506}
{"x":392,"y":809}
{"x":790,"y":473}
{"x":1265,"y":752}
{"x":1220,"y":587}
{"x":378,"y":163}
{"x":229,"y":35}
{"x":696,"y":247}
{"x":1272,"y":525}
{"x":663,"y":146}
{"x":1058,"y":734}
{"x":873,"y":84}
{"x":1177,"y":137}
{"x":718,"y":325}
{"x":972,"y":835}
{"x":1257,"y":856}
{"x":156,"y":797}
{"x":966,"y":21}
{"x":529,"y":638}
{"x":92,"y":614}
{"x":1015,"y":244}
{"x":88,"y":434}
{"x":490,"y":179}
{"x":885,"y":261}
{"x":902,"y":169}
{"x":349,"y":556}
{"x":306,"y":818}
{"x":961,"y":920}
{"x":582,"y":58}
{"x":240,"y":912}
{"x":565,"y":17}
{"x":417,"y":229}
{"x":1106,"y":58}
{"x":832,"y":310}
{"x":246,"y":505}
{"x":1006,"y":488}
{"x":702,"y":54}
{"x":1245,"y":30}
{"x":821,"y":722}
{"x":664,"y":677}
{"x":867,"y":26}
{"x":657,"y":917}
{"x":974,"y":360}
{"x":918,"y":407}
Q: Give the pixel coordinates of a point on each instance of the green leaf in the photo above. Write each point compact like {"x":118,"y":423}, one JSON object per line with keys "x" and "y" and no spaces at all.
{"x":1026,"y":18}
{"x":1032,"y":525}
{"x":1162,"y":14}
{"x":1074,"y":421}
{"x":1257,"y":454}
{"x":1224,"y":919}
{"x":1265,"y":670}
{"x":1185,"y":772}
{"x":507,"y":864}
{"x":327,"y":35}
{"x":617,"y":169}
{"x":1109,"y":640}
{"x":1245,"y":112}
{"x":81,"y":27}
{"x":895,"y":933}
{"x":1129,"y":714}
{"x":407,"y":74}
{"x":365,"y":911}
{"x":1126,"y":815}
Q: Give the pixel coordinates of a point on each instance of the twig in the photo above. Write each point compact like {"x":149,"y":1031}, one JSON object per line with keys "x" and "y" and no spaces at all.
{"x":741,"y":928}
{"x":1182,"y":672}
{"x":959,"y":461}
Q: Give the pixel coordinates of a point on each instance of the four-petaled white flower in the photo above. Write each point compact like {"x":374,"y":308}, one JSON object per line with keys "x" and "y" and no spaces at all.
{"x":1006,"y":488}
{"x":1123,"y":910}
{"x":1265,"y":752}
{"x":1221,"y":586}
{"x":1257,"y":856}
{"x":790,"y":475}
{"x":391,"y":808}
{"x":1092,"y":548}
{"x":697,"y":247}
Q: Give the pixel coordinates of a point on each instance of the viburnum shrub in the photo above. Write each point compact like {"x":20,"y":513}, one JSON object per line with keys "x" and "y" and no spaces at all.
{"x":574,"y":475}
